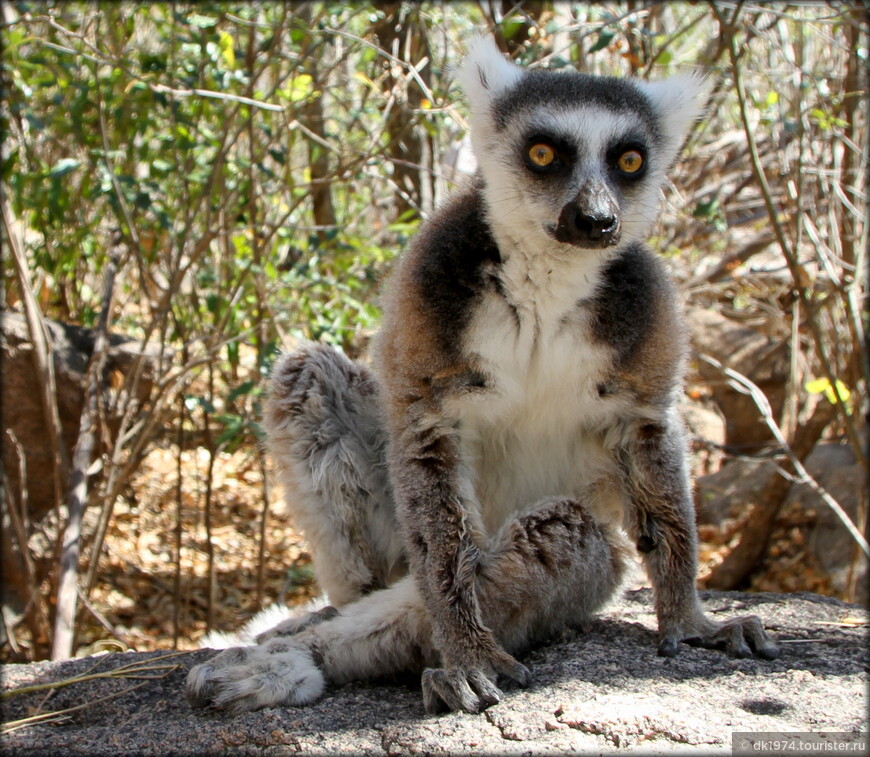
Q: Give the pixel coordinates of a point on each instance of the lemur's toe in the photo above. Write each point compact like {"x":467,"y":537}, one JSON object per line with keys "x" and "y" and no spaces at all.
{"x":668,"y":648}
{"x":458,"y":690}
{"x":740,"y":637}
{"x":197,"y":687}
{"x":768,"y":650}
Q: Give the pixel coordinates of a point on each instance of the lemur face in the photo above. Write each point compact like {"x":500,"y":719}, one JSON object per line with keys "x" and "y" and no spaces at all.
{"x":573,"y":158}
{"x":583,"y":172}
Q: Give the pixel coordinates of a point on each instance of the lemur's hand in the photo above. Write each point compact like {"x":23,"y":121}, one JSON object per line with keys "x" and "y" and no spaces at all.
{"x":470,"y":689}
{"x":742,"y":636}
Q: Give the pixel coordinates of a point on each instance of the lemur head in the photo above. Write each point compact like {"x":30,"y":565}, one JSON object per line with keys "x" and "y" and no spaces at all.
{"x":572,"y":157}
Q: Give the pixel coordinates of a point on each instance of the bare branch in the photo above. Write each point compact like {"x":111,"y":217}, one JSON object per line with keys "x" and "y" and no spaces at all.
{"x":67,"y":592}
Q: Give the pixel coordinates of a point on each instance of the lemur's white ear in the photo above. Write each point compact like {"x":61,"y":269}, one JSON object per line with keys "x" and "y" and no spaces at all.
{"x":679,"y":102}
{"x":485,"y":72}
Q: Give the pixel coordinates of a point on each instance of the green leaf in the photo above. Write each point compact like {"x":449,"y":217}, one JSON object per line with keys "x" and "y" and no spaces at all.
{"x":826,"y":120}
{"x":162,"y":166}
{"x":301,"y":88}
{"x":511,"y":27}
{"x":184,"y":139}
{"x":664,"y":57}
{"x":63,"y":167}
{"x":605,"y":37}
{"x":242,"y":389}
{"x":201,"y":22}
{"x":233,"y":353}
{"x":142,"y":200}
{"x":707,"y":209}
{"x":279,"y":154}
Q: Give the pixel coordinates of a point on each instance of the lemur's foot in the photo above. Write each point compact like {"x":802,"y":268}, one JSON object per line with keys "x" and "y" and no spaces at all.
{"x":239,"y":679}
{"x":469,"y":689}
{"x":292,"y":626}
{"x":741,"y":637}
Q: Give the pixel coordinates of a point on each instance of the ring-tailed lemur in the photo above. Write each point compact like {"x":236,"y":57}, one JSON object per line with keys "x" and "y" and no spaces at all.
{"x":523,"y":413}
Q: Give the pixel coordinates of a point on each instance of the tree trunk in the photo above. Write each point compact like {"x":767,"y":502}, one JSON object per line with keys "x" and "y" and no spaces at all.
{"x":68,"y":573}
{"x":322,"y":207}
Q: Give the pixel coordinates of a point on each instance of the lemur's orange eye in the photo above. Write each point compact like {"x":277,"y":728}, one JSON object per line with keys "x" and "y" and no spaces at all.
{"x":541,"y":155}
{"x":630,"y":161}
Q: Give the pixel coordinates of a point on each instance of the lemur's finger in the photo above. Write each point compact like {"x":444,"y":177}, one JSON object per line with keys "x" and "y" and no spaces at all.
{"x":432,"y":702}
{"x":507,"y":666}
{"x":739,"y":648}
{"x":741,"y":637}
{"x":451,"y":688}
{"x":764,"y":647}
{"x":668,"y":647}
{"x":488,"y":692}
{"x":199,"y":688}
{"x":757,"y":638}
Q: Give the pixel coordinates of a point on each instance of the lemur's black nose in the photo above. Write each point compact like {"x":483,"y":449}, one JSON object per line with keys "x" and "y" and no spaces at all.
{"x":594,"y":226}
{"x":590,"y":220}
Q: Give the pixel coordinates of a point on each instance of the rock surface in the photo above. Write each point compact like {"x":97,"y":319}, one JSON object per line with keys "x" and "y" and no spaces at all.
{"x":723,"y":494}
{"x":25,"y":441}
{"x":71,"y":349}
{"x":603,"y":690}
{"x":834,"y":466}
{"x":761,"y":358}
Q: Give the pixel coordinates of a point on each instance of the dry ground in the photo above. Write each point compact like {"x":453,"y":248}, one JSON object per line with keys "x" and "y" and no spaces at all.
{"x":136,"y":592}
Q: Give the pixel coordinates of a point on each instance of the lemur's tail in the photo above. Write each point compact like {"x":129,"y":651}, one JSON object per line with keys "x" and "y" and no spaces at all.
{"x":381,"y":634}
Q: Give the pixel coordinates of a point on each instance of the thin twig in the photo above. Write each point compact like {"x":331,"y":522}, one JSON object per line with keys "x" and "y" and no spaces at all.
{"x":413,"y":69}
{"x":37,"y":618}
{"x":17,"y":511}
{"x":130,"y":670}
{"x":154,"y":87}
{"x":67,"y":593}
{"x":127,"y":671}
{"x":264,"y":525}
{"x":215,"y":96}
{"x":179,"y":527}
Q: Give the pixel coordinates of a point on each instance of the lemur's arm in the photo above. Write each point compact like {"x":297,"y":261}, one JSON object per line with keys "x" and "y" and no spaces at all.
{"x":663,"y":525}
{"x":653,"y":458}
{"x":444,"y":557}
{"x":422,"y":369}
{"x":662,"y":522}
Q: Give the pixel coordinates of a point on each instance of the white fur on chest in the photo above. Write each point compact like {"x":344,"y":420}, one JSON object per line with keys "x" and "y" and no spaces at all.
{"x":537,"y":430}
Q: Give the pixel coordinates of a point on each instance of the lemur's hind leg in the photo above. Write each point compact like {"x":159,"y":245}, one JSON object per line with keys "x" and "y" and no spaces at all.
{"x":546,"y":570}
{"x":325,"y":436}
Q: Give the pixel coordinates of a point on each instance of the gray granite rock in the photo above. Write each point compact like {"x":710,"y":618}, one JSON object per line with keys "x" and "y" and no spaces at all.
{"x":602,"y":690}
